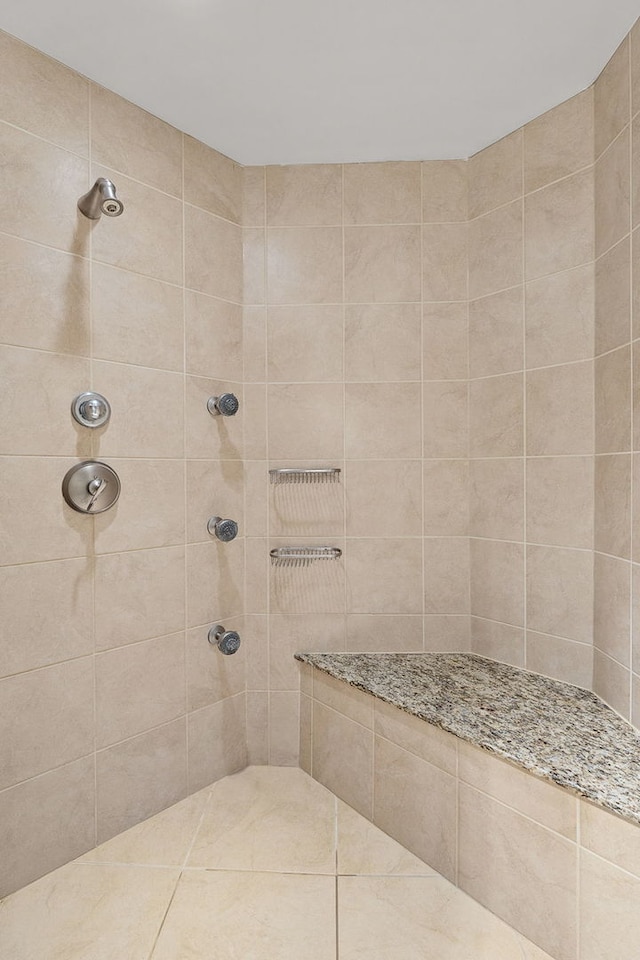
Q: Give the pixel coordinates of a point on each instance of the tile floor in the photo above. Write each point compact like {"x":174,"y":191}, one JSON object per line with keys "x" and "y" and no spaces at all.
{"x":263,"y":865}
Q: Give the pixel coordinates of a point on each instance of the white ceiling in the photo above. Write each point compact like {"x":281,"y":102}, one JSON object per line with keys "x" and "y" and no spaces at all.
{"x":290,"y":81}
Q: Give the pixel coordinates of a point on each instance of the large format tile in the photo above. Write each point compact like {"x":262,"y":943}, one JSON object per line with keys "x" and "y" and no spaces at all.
{"x":87,"y":912}
{"x":609,"y":911}
{"x":417,"y":918}
{"x":219,"y":915}
{"x":268,"y":819}
{"x":364,"y":849}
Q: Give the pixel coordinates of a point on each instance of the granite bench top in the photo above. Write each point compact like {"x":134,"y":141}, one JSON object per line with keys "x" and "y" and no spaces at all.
{"x":552,"y":729}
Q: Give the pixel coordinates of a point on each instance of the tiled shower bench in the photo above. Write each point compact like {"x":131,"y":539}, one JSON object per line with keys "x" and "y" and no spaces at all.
{"x":522,"y":790}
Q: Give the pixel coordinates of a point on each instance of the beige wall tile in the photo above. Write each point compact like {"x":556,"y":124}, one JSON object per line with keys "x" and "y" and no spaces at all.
{"x":382,"y":192}
{"x":29,"y":208}
{"x":32,"y":381}
{"x":497,"y":581}
{"x":546,"y":804}
{"x":496,"y":333}
{"x":446,"y":575}
{"x":424,"y":740}
{"x":495,"y":251}
{"x":444,"y":191}
{"x":343,"y":698}
{"x":613,"y":401}
{"x":139,"y":777}
{"x":635,"y":164}
{"x":256,"y":644}
{"x":43,"y":96}
{"x":46,"y":822}
{"x":612,"y":603}
{"x":612,"y":682}
{"x":635,"y":616}
{"x":560,"y":317}
{"x":610,"y":837}
{"x":139,"y":595}
{"x":519,"y":870}
{"x":284,"y":726}
{"x":496,"y":507}
{"x":559,"y":410}
{"x":215,"y":488}
{"x":212,"y":676}
{"x":212,"y":251}
{"x":635,"y":701}
{"x":208,"y":437}
{"x":385,"y":497}
{"x":46,"y":298}
{"x":382,"y":342}
{"x":612,"y":299}
{"x":253,"y":196}
{"x":305,"y":343}
{"x":636,"y":394}
{"x":560,"y":501}
{"x":376,"y":428}
{"x":446,"y":498}
{"x":136,"y":319}
{"x":50,"y":715}
{"x":213,"y":337}
{"x":139,"y":687}
{"x":343,"y":758}
{"x":291,"y":634}
{"x":565,"y":660}
{"x":382,"y":264}
{"x":559,"y":142}
{"x":634,"y":41}
{"x":47,"y":612}
{"x":444,"y":261}
{"x":560,"y":592}
{"x":612,"y":194}
{"x":447,"y":633}
{"x":304,"y":265}
{"x":214,"y":581}
{"x":254,"y":275}
{"x":613,"y":505}
{"x":611,"y":98}
{"x":495,"y":175}
{"x":305,"y":195}
{"x":401,"y":782}
{"x":384,"y":576}
{"x":212,"y":181}
{"x":374,"y":632}
{"x":134,"y":142}
{"x":498,"y":641}
{"x":445,"y":416}
{"x":49,"y":530}
{"x":131,"y":391}
{"x":496,"y":416}
{"x":305,"y":422}
{"x":217,"y":741}
{"x":362,"y":849}
{"x":254,"y":342}
{"x":138,"y":521}
{"x":559,"y":231}
{"x":258,"y":732}
{"x":147,"y":238}
{"x":609,"y":905}
{"x":635,"y":283}
{"x":445,"y":341}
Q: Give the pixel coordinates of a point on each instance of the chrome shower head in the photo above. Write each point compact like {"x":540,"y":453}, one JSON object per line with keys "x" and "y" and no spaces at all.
{"x":101,"y":199}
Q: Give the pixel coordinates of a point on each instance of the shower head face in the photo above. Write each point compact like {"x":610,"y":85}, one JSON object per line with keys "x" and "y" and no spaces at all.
{"x":101,"y":199}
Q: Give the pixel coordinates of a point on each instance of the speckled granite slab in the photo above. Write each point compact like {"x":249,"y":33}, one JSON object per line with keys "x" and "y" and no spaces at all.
{"x":555,"y":730}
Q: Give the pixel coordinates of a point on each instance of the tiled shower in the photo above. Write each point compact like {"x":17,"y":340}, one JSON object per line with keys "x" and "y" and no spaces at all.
{"x":457,"y":337}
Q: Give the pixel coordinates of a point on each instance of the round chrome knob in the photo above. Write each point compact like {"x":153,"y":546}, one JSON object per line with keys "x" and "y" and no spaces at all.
{"x":224,"y":530}
{"x":226,"y":405}
{"x":91,"y":409}
{"x":227,"y":641}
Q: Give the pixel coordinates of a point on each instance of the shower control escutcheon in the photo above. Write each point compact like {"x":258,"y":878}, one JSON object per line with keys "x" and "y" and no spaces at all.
{"x":226,"y":405}
{"x":227,"y":641}
{"x":91,"y":487}
{"x":224,"y":530}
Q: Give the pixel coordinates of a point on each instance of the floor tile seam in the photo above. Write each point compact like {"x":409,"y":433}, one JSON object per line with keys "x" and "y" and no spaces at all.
{"x":165,"y":915}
